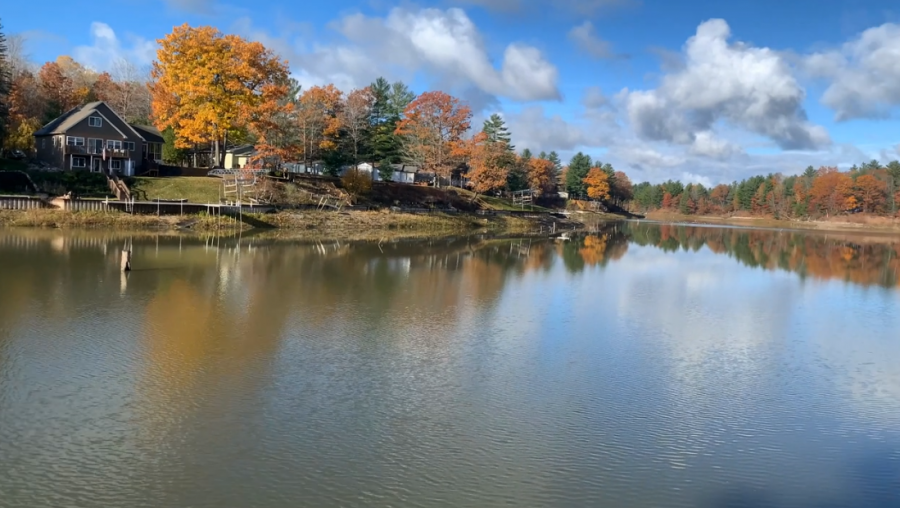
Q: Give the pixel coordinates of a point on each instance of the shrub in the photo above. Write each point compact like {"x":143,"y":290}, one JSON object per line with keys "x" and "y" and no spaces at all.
{"x":357,"y":183}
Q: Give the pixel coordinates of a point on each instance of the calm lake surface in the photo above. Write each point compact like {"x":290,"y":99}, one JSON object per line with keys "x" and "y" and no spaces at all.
{"x":641,"y":366}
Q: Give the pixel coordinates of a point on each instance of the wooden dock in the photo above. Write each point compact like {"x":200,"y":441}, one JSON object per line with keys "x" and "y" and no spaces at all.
{"x":132,"y":206}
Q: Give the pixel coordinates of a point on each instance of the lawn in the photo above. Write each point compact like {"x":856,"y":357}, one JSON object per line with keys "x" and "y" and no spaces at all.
{"x":196,"y":189}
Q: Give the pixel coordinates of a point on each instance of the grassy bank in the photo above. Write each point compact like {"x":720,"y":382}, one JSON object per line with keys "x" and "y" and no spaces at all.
{"x":841,"y":223}
{"x":199,"y":189}
{"x":312,"y":224}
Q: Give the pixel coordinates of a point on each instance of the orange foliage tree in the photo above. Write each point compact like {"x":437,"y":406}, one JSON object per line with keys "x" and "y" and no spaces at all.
{"x":205,"y":84}
{"x":105,"y":89}
{"x":540,"y":175}
{"x":872,"y":193}
{"x":830,"y":191}
{"x":319,"y":119}
{"x":667,"y":201}
{"x":597,"y":182}
{"x":274,"y":125}
{"x":57,"y":90}
{"x":432,"y":130}
{"x":489,"y":163}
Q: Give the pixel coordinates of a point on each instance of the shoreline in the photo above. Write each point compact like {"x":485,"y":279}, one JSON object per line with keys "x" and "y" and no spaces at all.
{"x":345,"y":225}
{"x":884,"y":225}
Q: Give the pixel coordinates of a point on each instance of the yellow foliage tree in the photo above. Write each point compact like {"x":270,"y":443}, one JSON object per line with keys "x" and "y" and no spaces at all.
{"x":319,"y":118}
{"x":597,"y":183}
{"x":21,"y":135}
{"x":205,"y":84}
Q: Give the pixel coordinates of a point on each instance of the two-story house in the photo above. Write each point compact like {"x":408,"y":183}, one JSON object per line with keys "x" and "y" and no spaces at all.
{"x":95,"y":138}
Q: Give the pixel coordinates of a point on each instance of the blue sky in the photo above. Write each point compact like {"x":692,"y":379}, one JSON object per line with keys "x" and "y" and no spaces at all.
{"x":704,"y":91}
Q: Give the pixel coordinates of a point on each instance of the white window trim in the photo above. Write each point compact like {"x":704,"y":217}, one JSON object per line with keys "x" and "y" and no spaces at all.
{"x":91,"y":121}
{"x":92,"y":145}
{"x":75,"y":140}
{"x":115,"y":164}
{"x":113,"y":144}
{"x":79,"y":159}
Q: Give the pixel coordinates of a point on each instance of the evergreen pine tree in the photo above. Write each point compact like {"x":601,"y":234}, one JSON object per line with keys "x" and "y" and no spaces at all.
{"x":496,"y":130}
{"x":579,"y":167}
{"x":5,"y":85}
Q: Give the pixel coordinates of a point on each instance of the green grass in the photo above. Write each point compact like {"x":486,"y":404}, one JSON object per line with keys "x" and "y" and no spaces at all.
{"x":196,"y":189}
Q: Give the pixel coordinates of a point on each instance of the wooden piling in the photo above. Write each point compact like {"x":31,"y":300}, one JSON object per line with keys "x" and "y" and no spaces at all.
{"x":126,"y":260}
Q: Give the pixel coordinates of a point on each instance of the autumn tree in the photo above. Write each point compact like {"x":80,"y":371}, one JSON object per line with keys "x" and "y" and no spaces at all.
{"x":872,"y":193}
{"x":489,"y":163}
{"x":274,"y":124}
{"x":356,"y":116}
{"x":57,"y":91}
{"x":319,"y":120}
{"x":719,"y":196}
{"x":667,"y":201}
{"x":831,"y":190}
{"x":79,"y":76}
{"x":621,"y":189}
{"x":540,"y":176}
{"x":206,"y":84}
{"x":104,"y":89}
{"x":597,"y":184}
{"x":432,"y":128}
{"x":25,"y":112}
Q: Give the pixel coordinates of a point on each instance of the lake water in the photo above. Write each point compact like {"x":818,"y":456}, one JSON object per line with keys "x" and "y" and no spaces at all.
{"x":639,"y":366}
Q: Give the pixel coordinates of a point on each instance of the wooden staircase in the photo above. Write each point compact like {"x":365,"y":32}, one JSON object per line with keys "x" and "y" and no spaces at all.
{"x":118,"y":187}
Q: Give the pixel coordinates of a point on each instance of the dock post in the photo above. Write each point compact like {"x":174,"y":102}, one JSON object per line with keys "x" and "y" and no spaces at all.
{"x":126,"y":260}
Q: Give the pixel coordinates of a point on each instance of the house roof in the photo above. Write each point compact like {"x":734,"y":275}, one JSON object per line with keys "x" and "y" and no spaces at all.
{"x":242,"y":150}
{"x":405,"y":168}
{"x":71,"y":118}
{"x":149,"y":133}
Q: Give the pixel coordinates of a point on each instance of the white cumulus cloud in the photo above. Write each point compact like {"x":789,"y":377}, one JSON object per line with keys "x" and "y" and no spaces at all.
{"x":107,"y":49}
{"x":864,"y":74}
{"x":749,"y":87}
{"x":445,"y":44}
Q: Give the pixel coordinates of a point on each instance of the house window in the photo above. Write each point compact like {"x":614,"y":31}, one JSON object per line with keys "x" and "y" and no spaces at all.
{"x":129,"y":145}
{"x":154,"y":151}
{"x":95,"y":145}
{"x":95,"y":121}
{"x":43,"y":142}
{"x":115,"y":164}
{"x":79,"y":162}
{"x":73,"y":141}
{"x":113,"y":144}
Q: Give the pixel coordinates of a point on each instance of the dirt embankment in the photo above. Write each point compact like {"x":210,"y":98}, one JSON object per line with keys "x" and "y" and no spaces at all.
{"x":859,"y":222}
{"x":312,"y":224}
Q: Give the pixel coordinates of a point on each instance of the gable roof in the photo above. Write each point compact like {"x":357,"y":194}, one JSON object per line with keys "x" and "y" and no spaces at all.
{"x":71,"y":118}
{"x":149,"y":133}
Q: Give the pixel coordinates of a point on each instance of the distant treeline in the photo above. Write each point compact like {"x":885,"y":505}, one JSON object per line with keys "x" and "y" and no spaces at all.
{"x":871,"y":188}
